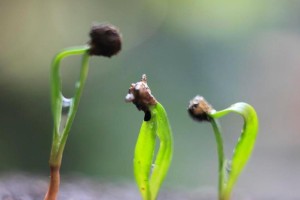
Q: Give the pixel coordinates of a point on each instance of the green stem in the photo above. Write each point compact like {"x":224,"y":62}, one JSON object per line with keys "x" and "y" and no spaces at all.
{"x":75,"y":100}
{"x":59,"y":138}
{"x":221,"y":156}
{"x":245,"y":144}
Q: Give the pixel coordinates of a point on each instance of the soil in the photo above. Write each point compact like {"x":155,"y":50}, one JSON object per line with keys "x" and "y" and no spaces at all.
{"x":28,"y":187}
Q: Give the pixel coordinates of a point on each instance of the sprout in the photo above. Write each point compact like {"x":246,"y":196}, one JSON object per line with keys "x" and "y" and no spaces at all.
{"x":155,"y":124}
{"x":105,"y":41}
{"x":200,"y":110}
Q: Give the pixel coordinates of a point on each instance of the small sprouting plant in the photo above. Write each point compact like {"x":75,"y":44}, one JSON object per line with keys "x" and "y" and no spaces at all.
{"x":105,"y":41}
{"x":229,"y":171}
{"x":149,"y":177}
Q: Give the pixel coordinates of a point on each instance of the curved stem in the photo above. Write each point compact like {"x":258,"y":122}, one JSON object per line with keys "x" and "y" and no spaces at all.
{"x":56,"y":99}
{"x":75,"y":100}
{"x":221,"y":156}
{"x":59,"y":138}
{"x":245,"y":144}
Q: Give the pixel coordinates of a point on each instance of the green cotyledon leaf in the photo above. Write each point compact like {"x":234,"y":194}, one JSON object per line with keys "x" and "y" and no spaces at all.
{"x":155,"y":125}
{"x":158,"y":125}
{"x":165,"y":152}
{"x":245,"y":144}
{"x":143,"y":155}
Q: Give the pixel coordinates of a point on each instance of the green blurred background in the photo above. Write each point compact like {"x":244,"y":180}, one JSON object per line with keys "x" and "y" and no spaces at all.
{"x":227,"y":51}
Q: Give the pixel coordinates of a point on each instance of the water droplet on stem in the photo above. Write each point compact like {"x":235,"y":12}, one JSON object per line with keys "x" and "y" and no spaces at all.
{"x":66,"y":104}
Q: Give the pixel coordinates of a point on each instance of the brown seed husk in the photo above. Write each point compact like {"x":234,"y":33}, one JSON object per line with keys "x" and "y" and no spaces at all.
{"x":106,"y":40}
{"x":199,"y":109}
{"x":140,"y":95}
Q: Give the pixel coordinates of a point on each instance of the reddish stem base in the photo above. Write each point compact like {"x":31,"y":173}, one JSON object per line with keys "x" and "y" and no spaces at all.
{"x":53,"y":184}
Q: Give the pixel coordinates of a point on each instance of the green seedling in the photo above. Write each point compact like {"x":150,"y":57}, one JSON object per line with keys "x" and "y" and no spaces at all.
{"x":229,"y":171}
{"x":105,"y":41}
{"x":149,"y":177}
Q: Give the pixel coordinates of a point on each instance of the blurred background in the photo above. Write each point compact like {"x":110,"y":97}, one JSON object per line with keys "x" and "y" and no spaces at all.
{"x":227,"y":51}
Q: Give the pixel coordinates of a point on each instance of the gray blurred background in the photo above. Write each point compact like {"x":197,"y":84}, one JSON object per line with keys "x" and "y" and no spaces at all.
{"x":227,"y":51}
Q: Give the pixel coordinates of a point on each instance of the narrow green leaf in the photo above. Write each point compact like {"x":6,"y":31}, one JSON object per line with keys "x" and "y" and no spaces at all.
{"x":245,"y":144}
{"x":143,"y":155}
{"x":165,"y":152}
{"x":158,"y":125}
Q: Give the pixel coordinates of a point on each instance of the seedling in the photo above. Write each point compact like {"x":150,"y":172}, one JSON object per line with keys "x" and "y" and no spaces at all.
{"x":105,"y":41}
{"x":155,"y":125}
{"x":229,"y":171}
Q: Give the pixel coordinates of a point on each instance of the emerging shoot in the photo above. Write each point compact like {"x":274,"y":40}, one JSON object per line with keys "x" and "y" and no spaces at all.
{"x":105,"y":41}
{"x":200,"y":110}
{"x":149,"y":177}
